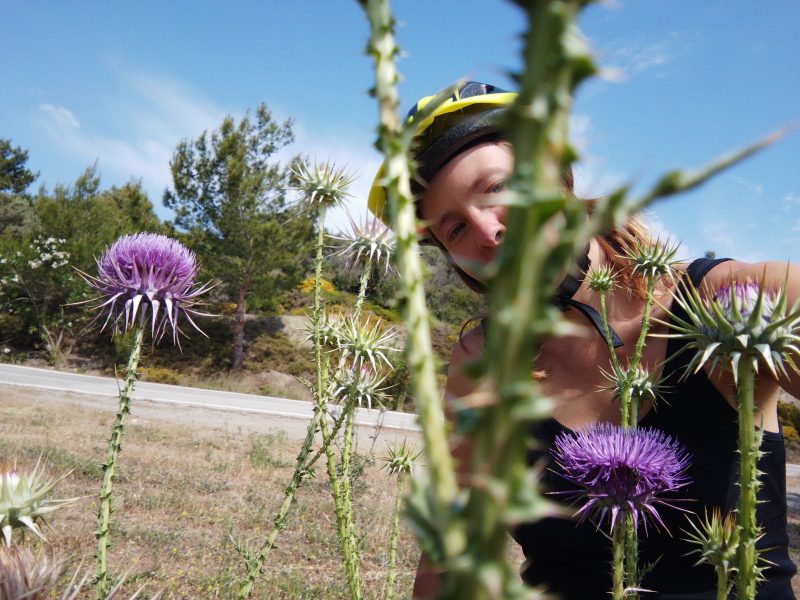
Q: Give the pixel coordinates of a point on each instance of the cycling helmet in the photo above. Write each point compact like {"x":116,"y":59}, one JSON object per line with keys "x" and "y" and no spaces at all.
{"x":470,"y":116}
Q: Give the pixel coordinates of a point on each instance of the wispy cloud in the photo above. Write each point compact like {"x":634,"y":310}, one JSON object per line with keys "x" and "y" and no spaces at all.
{"x":749,"y":185}
{"x":153,"y":113}
{"x":659,"y":231}
{"x":624,"y":60}
{"x":61,"y":116}
{"x":790,"y":201}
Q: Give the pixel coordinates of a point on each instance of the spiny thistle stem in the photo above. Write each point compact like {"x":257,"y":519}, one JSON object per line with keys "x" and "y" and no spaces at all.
{"x":637,"y":353}
{"x":746,"y":554}
{"x":344,"y":525}
{"x":556,"y":59}
{"x":619,"y":539}
{"x":441,"y":490}
{"x":394,"y":536}
{"x":102,"y":581}
{"x":362,"y":287}
{"x":301,"y":470}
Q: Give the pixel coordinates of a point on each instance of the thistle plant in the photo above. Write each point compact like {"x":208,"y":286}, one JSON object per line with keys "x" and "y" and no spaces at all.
{"x":24,"y":502}
{"x":464,"y":532}
{"x":737,"y":328}
{"x":717,"y":539}
{"x":365,"y":243}
{"x":143,"y":280}
{"x":623,"y":474}
{"x":399,"y":462}
{"x":633,"y":384}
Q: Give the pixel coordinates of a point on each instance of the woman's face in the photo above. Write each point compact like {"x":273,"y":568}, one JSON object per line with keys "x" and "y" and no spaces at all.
{"x":459,"y":209}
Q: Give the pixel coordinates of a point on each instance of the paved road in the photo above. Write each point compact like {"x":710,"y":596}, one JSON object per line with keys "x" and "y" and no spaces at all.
{"x":174,"y":394}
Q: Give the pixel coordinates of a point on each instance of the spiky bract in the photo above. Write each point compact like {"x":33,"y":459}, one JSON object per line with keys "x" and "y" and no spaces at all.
{"x":361,"y":385}
{"x":370,"y":240}
{"x":24,"y":503}
{"x":399,"y":460}
{"x":653,"y":260}
{"x":322,"y":184}
{"x":601,"y":279}
{"x":367,"y":342}
{"x":739,"y":322}
{"x":24,"y":574}
{"x":641,"y":383}
{"x":621,"y":471}
{"x":716,"y":539}
{"x":147,"y":270}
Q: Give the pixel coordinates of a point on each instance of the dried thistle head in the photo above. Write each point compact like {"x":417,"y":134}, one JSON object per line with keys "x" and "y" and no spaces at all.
{"x":399,"y":460}
{"x":24,"y":574}
{"x":653,"y":260}
{"x":24,"y":503}
{"x":364,"y":242}
{"x":716,"y":539}
{"x":741,"y":321}
{"x":322,"y":184}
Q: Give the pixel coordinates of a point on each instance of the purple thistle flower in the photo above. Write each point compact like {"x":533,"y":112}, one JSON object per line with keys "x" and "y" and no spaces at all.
{"x":621,"y":470}
{"x":147,"y":269}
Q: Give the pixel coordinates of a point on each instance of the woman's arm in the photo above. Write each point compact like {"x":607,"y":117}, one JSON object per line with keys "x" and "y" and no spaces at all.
{"x":467,"y":349}
{"x":775,"y":275}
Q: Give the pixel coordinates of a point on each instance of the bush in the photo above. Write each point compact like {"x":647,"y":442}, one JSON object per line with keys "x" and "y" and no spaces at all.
{"x":277,"y":352}
{"x":790,"y":434}
{"x":160,"y":375}
{"x":789,"y":415}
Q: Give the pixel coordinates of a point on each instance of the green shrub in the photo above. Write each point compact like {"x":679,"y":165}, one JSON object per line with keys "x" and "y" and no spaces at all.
{"x":790,"y":434}
{"x":789,"y":414}
{"x":278,"y":353}
{"x":160,"y":375}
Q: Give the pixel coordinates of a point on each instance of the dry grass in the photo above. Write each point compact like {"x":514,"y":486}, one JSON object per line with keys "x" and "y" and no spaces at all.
{"x":181,"y":490}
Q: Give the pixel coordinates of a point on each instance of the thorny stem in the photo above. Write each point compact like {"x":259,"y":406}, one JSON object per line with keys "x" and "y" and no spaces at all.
{"x":746,"y":554}
{"x":343,"y":526}
{"x":394,"y":536}
{"x":722,"y":583}
{"x":443,"y":490}
{"x":618,"y":565}
{"x":102,"y":581}
{"x":301,"y":470}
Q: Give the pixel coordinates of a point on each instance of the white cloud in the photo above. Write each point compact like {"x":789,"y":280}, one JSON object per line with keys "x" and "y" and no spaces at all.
{"x":750,"y":186}
{"x":790,"y":200}
{"x":621,"y":61}
{"x":153,"y":113}
{"x":659,"y":231}
{"x":60,"y":115}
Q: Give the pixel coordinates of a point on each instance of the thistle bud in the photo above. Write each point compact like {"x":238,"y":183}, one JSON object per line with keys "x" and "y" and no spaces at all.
{"x":322,"y":185}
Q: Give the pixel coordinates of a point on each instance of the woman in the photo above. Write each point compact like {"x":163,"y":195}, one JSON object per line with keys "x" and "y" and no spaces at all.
{"x":463,"y":161}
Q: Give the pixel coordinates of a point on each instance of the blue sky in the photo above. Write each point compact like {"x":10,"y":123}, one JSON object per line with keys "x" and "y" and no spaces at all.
{"x":682,"y":82}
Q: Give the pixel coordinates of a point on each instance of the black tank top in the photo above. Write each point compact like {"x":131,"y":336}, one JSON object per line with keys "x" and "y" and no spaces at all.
{"x":573,"y":559}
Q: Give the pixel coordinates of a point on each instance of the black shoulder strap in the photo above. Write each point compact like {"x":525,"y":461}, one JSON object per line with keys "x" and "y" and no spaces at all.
{"x":699,"y":267}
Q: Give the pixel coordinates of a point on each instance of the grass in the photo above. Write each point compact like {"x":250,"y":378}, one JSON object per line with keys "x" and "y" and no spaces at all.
{"x":182,"y":490}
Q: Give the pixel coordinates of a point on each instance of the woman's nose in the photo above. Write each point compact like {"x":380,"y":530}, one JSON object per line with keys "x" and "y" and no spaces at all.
{"x":490,"y":230}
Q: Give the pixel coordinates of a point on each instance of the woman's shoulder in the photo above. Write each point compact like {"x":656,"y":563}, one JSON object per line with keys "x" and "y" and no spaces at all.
{"x":773,"y":274}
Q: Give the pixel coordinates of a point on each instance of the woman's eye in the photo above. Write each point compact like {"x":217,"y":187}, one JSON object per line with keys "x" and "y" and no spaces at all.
{"x":455,"y":231}
{"x":497,"y":188}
